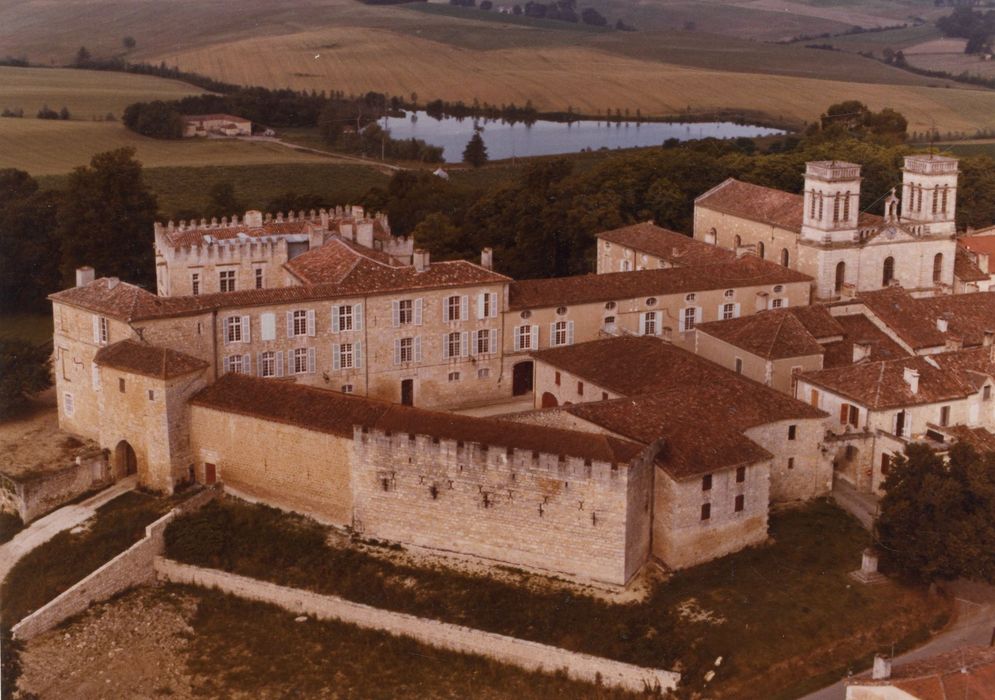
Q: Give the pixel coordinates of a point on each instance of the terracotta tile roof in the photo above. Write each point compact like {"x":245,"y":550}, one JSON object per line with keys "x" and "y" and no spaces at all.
{"x":332,"y":262}
{"x":765,"y":204}
{"x":773,"y":335}
{"x":984,"y":244}
{"x":676,"y":248}
{"x":748,"y":271}
{"x":966,"y":269}
{"x":915,"y":320}
{"x":967,"y":673}
{"x":983,"y":441}
{"x":688,"y":450}
{"x":147,"y":360}
{"x":335,"y":413}
{"x":979,"y":359}
{"x":857,"y":328}
{"x":882,"y":385}
{"x":130,"y":303}
{"x":817,"y":321}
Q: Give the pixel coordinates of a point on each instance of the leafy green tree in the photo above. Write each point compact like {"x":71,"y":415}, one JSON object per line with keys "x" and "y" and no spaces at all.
{"x":106,"y":218}
{"x":25,"y":370}
{"x":437,"y":233}
{"x":292,"y":201}
{"x":223,"y":201}
{"x":936,"y":516}
{"x":29,"y":261}
{"x":475,"y":152}
{"x":157,"y":119}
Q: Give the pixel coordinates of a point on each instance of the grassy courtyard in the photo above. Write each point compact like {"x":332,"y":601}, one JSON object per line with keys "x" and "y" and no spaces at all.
{"x":776,"y":614}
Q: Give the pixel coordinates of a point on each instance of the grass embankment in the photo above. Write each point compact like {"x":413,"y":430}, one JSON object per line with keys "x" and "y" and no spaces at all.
{"x":329,"y":658}
{"x":67,"y":558}
{"x":776,"y":614}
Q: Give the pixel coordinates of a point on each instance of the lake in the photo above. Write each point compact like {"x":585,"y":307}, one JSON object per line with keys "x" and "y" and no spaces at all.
{"x":542,"y":138}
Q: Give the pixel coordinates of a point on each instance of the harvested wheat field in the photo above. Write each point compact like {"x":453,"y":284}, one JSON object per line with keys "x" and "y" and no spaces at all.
{"x":351,"y":59}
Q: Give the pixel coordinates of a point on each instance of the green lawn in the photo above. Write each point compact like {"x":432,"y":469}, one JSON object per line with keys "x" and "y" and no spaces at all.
{"x":781,"y":613}
{"x":54,"y":566}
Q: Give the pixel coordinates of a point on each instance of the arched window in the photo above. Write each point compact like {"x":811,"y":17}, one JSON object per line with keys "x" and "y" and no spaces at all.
{"x":846,"y":207}
{"x":784,"y":257}
{"x":936,"y":199}
{"x":919,"y":198}
{"x":836,"y":208}
{"x":811,"y":205}
{"x":937,"y":267}
{"x":946,"y":192}
{"x":820,"y":207}
{"x":737,"y":242}
{"x":760,"y":249}
{"x":840,"y":276}
{"x":888,"y":271}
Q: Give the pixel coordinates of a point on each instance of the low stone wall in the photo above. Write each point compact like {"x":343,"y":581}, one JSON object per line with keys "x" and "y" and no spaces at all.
{"x":132,"y":567}
{"x":532,"y":656}
{"x":35,"y":495}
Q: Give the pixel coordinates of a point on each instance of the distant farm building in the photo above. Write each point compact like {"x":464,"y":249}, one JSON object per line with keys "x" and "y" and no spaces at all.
{"x":215,"y":125}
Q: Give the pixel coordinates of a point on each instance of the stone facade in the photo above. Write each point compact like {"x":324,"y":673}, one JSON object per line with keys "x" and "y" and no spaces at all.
{"x":31,"y":496}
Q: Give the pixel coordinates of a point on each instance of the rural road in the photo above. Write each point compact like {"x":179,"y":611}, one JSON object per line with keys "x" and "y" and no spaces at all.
{"x":973,"y":624}
{"x":383,"y":167}
{"x":65,"y":518}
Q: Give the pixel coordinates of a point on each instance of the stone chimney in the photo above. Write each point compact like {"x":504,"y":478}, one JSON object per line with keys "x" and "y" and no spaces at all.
{"x":861,"y":350}
{"x":358,"y":212}
{"x":254,"y":218}
{"x":487,"y":258}
{"x":942,"y":323}
{"x":345,"y":229}
{"x":112,"y":282}
{"x":882,"y":668}
{"x":421,"y":260}
{"x":364,"y":234}
{"x":84,"y":275}
{"x":911,"y":377}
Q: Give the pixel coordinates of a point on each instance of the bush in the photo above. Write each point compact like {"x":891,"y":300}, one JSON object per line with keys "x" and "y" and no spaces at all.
{"x":25,"y":370}
{"x":10,"y":525}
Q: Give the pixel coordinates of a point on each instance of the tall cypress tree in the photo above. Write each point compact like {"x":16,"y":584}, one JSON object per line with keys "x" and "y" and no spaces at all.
{"x":475,"y":152}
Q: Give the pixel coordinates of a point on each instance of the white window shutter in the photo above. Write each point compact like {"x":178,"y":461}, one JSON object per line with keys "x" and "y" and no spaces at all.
{"x":697,"y":314}
{"x":357,"y":355}
{"x":680,"y":321}
{"x":445,"y":309}
{"x":96,"y":329}
{"x":419,"y":307}
{"x":570,"y":332}
{"x":463,"y":342}
{"x":518,"y":338}
{"x":247,"y":329}
{"x":357,"y":317}
{"x":336,"y":358}
{"x":480,"y":304}
{"x":395,"y":309}
{"x":445,"y":346}
{"x":417,"y":348}
{"x":552,"y":333}
{"x":247,"y":363}
{"x":267,"y":326}
{"x":784,"y":303}
{"x":226,"y":363}
{"x":95,"y":376}
{"x":311,"y":361}
{"x":719,"y":315}
{"x":279,"y":363}
{"x":492,"y":340}
{"x":494,"y":303}
{"x":735,"y":311}
{"x":310,"y":322}
{"x":259,"y":364}
{"x":464,"y":308}
{"x":336,"y":314}
{"x":290,"y":324}
{"x":642,"y":324}
{"x":535,"y":337}
{"x":397,"y":351}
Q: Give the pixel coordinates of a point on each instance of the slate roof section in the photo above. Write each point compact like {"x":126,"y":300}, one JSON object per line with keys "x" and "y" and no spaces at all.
{"x":882,"y":385}
{"x":967,"y":673}
{"x":748,"y":271}
{"x":676,"y":248}
{"x":130,"y":303}
{"x":857,"y":328}
{"x":765,"y":205}
{"x":772,"y":335}
{"x":334,"y":413}
{"x":147,"y":360}
{"x":915,"y":320}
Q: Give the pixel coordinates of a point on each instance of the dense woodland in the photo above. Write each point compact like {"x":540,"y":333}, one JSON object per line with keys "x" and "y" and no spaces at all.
{"x":541,"y":220}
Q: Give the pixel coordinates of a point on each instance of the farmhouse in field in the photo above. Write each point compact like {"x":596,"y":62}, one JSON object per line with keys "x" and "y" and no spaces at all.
{"x":215,"y":125}
{"x":655,"y":411}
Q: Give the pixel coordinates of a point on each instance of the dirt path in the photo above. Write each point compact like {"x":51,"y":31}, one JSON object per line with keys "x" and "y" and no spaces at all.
{"x":385,"y":168}
{"x":65,"y":518}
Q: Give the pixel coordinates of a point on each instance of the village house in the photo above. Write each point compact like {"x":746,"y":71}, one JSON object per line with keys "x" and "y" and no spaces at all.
{"x":975,"y":266}
{"x":646,"y":246}
{"x":966,"y":673}
{"x":215,"y":125}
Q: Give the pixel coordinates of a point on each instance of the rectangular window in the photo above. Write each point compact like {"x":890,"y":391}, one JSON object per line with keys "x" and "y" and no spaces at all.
{"x":560,"y":333}
{"x":792,"y":431}
{"x":346,"y":356}
{"x":454,"y":376}
{"x":68,"y":404}
{"x":706,"y":511}
{"x":690,"y":316}
{"x":195,"y":283}
{"x":986,"y":392}
{"x":483,"y":342}
{"x":776,"y":303}
{"x":235,"y":364}
{"x":347,"y":388}
{"x":488,"y":306}
{"x":226,"y":280}
{"x":945,"y":415}
{"x":523,"y":337}
{"x":259,"y":278}
{"x":300,"y":322}
{"x":791,"y":462}
{"x":453,"y":345}
{"x":649,"y":323}
{"x":728,"y":311}
{"x":405,"y":312}
{"x":345,"y":318}
{"x":580,"y":388}
{"x":556,"y":378}
{"x":407,"y":349}
{"x":740,"y":503}
{"x":300,"y":360}
{"x":706,"y":482}
{"x":453,"y":308}
{"x":151,"y":395}
{"x":105,"y":330}
{"x":483,"y":373}
{"x":233,"y":329}
{"x":739,"y":365}
{"x":267,"y":364}
{"x":120,"y":384}
{"x":740,"y":475}
{"x":854,"y":416}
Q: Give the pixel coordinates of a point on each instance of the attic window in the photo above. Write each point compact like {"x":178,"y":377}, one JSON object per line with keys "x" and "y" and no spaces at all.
{"x":526,"y":314}
{"x":778,"y":288}
{"x":729,"y":293}
{"x":120,"y":384}
{"x":651,"y":301}
{"x":689,"y":297}
{"x":609,"y":306}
